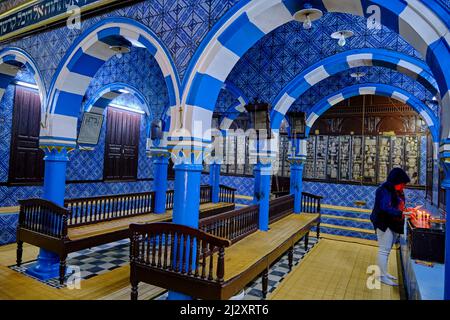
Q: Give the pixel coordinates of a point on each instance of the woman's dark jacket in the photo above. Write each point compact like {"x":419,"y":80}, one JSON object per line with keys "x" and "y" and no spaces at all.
{"x":389,"y":203}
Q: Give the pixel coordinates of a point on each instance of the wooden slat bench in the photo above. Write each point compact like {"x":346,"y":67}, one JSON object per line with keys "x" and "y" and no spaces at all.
{"x":220,"y":258}
{"x":88,"y":222}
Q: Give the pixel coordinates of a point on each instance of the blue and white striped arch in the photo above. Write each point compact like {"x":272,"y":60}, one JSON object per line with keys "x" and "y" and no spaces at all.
{"x":423,"y":24}
{"x":103,"y":97}
{"x":415,"y":68}
{"x":11,"y":61}
{"x":80,"y":64}
{"x":234,"y":110}
{"x":374,"y":89}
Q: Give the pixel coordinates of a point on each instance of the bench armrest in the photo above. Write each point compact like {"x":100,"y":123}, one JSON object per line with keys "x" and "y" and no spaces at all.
{"x":43,"y":216}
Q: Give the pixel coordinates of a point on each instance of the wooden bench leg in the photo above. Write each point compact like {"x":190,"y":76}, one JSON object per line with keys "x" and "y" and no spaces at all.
{"x":19,"y":252}
{"x":265,"y":282}
{"x":62,"y":269}
{"x":318,"y":231}
{"x":291,"y":257}
{"x":306,"y":241}
{"x":134,"y":290}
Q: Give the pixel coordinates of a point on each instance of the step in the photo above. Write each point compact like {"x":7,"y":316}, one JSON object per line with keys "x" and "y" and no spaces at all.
{"x":346,"y":213}
{"x":347,"y":222}
{"x":347,"y":231}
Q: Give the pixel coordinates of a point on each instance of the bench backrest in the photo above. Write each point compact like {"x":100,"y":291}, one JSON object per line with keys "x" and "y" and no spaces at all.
{"x":232,"y":225}
{"x":179,"y":249}
{"x":106,"y":208}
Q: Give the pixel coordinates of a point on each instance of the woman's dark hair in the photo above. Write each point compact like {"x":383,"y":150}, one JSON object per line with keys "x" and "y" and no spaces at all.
{"x":398,"y":176}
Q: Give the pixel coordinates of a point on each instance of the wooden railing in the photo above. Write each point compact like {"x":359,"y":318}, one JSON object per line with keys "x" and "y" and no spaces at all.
{"x":169,"y":199}
{"x":233,"y":225}
{"x":280,"y":207}
{"x":205,"y":194}
{"x":43,"y":216}
{"x":226,"y":194}
{"x":177,"y":248}
{"x":311,"y":202}
{"x":106,"y":208}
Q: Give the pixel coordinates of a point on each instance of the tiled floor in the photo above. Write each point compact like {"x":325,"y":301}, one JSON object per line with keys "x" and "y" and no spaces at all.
{"x":91,"y":262}
{"x":337,"y":270}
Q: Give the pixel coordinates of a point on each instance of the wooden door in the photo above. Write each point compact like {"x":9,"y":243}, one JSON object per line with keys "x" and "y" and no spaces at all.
{"x":121,"y":145}
{"x":26,"y":159}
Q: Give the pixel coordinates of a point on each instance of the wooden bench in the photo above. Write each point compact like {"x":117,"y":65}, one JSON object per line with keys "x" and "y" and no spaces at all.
{"x":88,"y":222}
{"x":226,"y":253}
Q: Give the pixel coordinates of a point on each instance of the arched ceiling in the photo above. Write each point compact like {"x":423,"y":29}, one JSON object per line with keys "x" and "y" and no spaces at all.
{"x":282,"y":54}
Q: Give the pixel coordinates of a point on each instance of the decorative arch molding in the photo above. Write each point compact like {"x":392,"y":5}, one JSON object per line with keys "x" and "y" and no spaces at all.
{"x":412,"y":67}
{"x":103,"y":97}
{"x":11,"y":61}
{"x":374,"y":89}
{"x":423,"y":25}
{"x":81,"y":62}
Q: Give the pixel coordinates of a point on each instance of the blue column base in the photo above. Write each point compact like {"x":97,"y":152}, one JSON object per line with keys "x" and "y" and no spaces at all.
{"x":186,"y":204}
{"x":46,"y":267}
{"x":262,"y":173}
{"x":178,"y":296}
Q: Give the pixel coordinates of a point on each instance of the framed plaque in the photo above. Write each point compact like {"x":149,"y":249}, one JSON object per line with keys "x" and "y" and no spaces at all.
{"x":90,"y":128}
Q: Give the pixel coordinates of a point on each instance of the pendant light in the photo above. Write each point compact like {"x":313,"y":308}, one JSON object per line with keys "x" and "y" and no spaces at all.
{"x":308,"y":15}
{"x":342,"y":36}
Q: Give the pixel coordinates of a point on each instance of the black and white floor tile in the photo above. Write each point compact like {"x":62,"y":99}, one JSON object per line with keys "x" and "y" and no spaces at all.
{"x":89,"y":262}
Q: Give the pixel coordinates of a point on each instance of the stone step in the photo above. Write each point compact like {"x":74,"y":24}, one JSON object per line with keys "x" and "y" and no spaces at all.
{"x":347,"y":231}
{"x":347,"y":222}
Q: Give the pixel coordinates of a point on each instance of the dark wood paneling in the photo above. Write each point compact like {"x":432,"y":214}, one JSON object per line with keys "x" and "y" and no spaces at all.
{"x":26,"y":159}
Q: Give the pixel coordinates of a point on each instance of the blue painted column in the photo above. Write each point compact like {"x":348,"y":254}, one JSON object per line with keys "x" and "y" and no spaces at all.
{"x":47,"y":265}
{"x":160,"y":164}
{"x":186,"y":204}
{"x":446,"y":186}
{"x":297,"y":166}
{"x":214,"y":180}
{"x":262,"y":172}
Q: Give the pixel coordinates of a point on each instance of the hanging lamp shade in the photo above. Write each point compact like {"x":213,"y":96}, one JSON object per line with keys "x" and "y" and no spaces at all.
{"x":297,"y":121}
{"x":259,"y":116}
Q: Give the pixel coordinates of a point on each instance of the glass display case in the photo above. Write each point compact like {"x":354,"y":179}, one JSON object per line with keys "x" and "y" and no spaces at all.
{"x":240,"y":154}
{"x":384,"y":161}
{"x":357,"y":157}
{"x":397,"y":154}
{"x":321,"y":157}
{"x":412,"y":159}
{"x":332,"y":166}
{"x":370,"y":159}
{"x":344,"y":157}
{"x":308,"y":171}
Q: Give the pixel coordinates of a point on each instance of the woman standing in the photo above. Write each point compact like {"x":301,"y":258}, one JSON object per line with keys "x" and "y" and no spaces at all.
{"x":388,"y":219}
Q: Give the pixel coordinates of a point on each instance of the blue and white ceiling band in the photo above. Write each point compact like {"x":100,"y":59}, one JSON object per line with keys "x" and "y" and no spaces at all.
{"x":415,"y":68}
{"x":423,"y":24}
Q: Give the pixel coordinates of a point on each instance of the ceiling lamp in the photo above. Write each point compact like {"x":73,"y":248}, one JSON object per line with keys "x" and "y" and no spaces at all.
{"x":120,"y":49}
{"x":342,"y":35}
{"x":308,"y":15}
{"x":357,"y":75}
